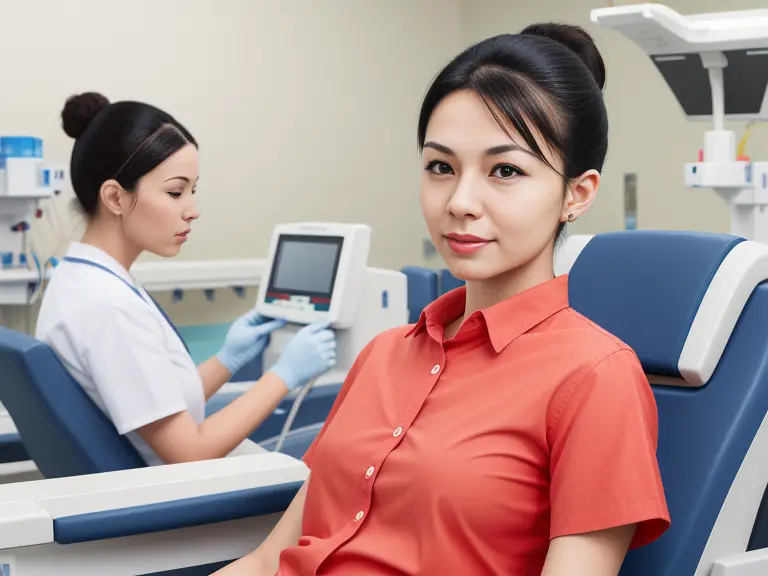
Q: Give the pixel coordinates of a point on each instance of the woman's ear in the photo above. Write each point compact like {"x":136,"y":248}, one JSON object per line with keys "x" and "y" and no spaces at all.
{"x":580,"y":194}
{"x":110,"y":194}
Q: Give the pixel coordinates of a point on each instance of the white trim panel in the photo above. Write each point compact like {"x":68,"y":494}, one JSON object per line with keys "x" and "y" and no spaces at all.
{"x":733,"y":527}
{"x":24,"y":524}
{"x":567,"y":253}
{"x":754,"y":563}
{"x":745,"y":266}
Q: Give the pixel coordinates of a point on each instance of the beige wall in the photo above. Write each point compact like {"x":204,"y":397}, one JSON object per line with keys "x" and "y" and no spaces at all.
{"x":307,"y":109}
{"x":649,"y":134}
{"x":304,"y":109}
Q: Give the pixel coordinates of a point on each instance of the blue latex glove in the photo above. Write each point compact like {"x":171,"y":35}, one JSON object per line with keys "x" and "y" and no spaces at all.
{"x":246,"y":339}
{"x":309,"y":354}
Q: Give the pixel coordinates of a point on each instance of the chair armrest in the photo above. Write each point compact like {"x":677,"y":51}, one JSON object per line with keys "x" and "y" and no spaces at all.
{"x":147,"y":500}
{"x":754,"y":563}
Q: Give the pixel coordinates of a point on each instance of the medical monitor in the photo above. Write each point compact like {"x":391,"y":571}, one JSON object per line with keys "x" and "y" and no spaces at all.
{"x":315,"y":272}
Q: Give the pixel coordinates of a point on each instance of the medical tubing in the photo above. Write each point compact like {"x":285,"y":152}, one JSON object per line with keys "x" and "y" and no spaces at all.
{"x":292,"y":414}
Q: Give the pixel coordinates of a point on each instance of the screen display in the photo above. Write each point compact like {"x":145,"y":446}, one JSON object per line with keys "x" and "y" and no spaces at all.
{"x":306,"y":265}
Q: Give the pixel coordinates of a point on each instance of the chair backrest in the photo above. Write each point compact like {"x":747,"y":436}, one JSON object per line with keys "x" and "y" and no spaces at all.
{"x":422,"y":289}
{"x":694,"y":307}
{"x":63,"y":431}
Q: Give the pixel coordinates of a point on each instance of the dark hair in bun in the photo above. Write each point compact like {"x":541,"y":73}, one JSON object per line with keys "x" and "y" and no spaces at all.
{"x":546,"y":79}
{"x":578,"y":40}
{"x":79,"y":110}
{"x":121,"y":141}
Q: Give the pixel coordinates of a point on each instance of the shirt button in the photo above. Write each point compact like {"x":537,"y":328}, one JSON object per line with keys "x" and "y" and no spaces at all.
{"x":359,"y":515}
{"x":397,"y":432}
{"x":369,"y":472}
{"x":436,"y":369}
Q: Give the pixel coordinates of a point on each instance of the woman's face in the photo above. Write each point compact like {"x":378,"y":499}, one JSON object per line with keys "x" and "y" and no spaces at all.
{"x":490,"y":205}
{"x":159,"y":214}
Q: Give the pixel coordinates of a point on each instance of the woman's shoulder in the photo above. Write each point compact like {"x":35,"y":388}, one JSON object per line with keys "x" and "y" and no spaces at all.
{"x":80,"y":308}
{"x":594,"y":340}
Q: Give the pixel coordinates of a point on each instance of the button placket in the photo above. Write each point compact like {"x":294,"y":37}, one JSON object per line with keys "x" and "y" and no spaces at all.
{"x":414,"y":410}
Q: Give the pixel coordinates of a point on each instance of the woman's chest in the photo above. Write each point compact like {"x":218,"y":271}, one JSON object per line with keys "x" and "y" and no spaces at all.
{"x":465,"y":443}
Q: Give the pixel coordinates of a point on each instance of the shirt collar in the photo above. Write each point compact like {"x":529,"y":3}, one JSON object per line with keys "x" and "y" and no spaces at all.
{"x":504,"y":321}
{"x":88,"y":252}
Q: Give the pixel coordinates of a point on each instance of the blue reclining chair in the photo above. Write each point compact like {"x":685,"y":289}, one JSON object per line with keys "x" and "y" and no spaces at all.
{"x":694,"y":307}
{"x":63,"y":431}
{"x":422,"y":289}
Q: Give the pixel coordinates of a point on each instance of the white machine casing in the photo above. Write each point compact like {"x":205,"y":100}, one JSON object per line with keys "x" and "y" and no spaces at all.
{"x":694,"y":53}
{"x":382,"y":306}
{"x":25,"y":180}
{"x":352,"y":257}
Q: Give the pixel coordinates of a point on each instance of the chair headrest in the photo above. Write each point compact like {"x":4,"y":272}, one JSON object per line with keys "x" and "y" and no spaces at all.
{"x":674,"y":297}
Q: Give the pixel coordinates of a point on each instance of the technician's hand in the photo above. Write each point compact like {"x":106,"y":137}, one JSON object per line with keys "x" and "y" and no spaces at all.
{"x":246,"y":339}
{"x":309,"y":354}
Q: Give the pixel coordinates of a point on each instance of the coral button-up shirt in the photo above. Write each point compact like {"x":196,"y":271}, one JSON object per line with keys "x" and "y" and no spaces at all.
{"x":468,"y":455}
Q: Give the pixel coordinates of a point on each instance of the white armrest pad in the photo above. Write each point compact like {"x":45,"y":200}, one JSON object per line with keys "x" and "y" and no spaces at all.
{"x":753,"y":563}
{"x":85,"y":508}
{"x":24,"y":524}
{"x":97,"y":492}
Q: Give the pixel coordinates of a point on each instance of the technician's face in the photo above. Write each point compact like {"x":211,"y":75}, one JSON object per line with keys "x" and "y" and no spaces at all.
{"x":490,"y":205}
{"x":164,"y":205}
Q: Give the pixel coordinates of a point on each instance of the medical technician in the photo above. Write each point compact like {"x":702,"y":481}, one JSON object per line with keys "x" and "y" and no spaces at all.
{"x":134,"y":171}
{"x":503,"y":433}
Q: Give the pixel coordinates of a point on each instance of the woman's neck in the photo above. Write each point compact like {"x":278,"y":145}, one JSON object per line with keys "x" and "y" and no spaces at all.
{"x":481,"y":294}
{"x":108,"y":237}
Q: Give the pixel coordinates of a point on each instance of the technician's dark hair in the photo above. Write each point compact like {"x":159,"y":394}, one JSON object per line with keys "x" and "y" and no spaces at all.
{"x":549,"y":79}
{"x":121,"y":141}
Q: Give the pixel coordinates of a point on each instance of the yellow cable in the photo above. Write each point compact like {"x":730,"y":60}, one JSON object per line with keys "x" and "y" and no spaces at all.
{"x":743,"y":142}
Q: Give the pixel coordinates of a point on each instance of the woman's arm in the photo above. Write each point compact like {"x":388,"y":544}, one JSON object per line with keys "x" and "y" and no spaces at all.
{"x":598,"y":553}
{"x":214,"y":375}
{"x":264,"y":561}
{"x":178,"y":438}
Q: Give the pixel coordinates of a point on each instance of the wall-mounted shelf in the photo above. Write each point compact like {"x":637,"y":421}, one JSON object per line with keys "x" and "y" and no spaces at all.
{"x":15,"y":285}
{"x":159,"y":276}
{"x":198,"y":275}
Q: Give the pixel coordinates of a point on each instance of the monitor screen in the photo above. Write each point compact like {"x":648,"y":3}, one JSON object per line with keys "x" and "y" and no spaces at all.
{"x":306,"y":265}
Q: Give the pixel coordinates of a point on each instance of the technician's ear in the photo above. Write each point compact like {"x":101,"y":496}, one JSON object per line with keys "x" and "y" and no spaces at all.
{"x":110,"y":194}
{"x":580,"y":195}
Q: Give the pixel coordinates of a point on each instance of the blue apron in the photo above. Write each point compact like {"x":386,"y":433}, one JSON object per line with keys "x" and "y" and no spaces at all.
{"x":135,"y":290}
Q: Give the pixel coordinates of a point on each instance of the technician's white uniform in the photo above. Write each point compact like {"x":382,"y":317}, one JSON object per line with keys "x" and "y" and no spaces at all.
{"x":119,"y":347}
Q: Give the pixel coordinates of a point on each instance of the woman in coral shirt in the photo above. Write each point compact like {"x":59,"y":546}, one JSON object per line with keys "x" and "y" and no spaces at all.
{"x":503,"y":433}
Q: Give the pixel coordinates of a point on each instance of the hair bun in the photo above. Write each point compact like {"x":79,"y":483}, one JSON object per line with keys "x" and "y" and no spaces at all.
{"x":79,"y":110}
{"x":578,"y":40}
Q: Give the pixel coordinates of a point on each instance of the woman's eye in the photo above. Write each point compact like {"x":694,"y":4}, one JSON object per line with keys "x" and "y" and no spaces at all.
{"x":506,"y":171}
{"x":440,"y":168}
{"x":175,"y":194}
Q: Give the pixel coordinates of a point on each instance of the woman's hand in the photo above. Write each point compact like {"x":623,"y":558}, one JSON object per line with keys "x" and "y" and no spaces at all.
{"x":246,"y":339}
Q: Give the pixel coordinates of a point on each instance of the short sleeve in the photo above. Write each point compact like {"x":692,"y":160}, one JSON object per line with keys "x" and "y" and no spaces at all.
{"x":128,"y":361}
{"x":348,"y":382}
{"x":604,"y":471}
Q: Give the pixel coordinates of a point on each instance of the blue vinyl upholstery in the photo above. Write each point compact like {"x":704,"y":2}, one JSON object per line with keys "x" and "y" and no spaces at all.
{"x":63,"y":431}
{"x":645,"y":287}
